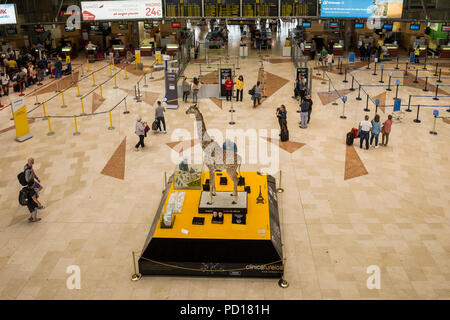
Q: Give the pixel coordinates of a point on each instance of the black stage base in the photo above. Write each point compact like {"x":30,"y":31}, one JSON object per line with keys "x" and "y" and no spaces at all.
{"x":216,"y":257}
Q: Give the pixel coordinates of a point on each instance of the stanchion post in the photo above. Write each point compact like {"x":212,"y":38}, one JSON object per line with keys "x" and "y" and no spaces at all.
{"x":409,"y":104}
{"x":50,"y":131}
{"x":375,"y":69}
{"x":366,"y":109}
{"x":368,"y":63}
{"x":36,"y":99}
{"x":381,"y":77}
{"x":110,"y":122}
{"x":353,"y":79}
{"x":101,"y":93}
{"x":359,"y":93}
{"x":345,"y":76}
{"x":93,"y":79}
{"x":425,"y":63}
{"x":389,"y":83}
{"x":433,"y":132}
{"x":439,"y":79}
{"x":63,"y":100}
{"x":136,"y":276}
{"x":126,"y":111}
{"x":340,"y":66}
{"x":82,"y":70}
{"x":45,"y":113}
{"x":436,"y":71}
{"x":396,"y":90}
{"x":78,"y":90}
{"x":426,"y":84}
{"x":82,"y":107}
{"x":343,"y":110}
{"x":126,"y":74}
{"x":280,"y":189}
{"x":436,"y":93}
{"x":329,"y":85}
{"x":115,"y":82}
{"x":76,"y":133}
{"x":406,"y":68}
{"x":110,"y":71}
{"x":232,"y":111}
{"x":396,"y":67}
{"x":145,"y":81}
{"x":88,"y":65}
{"x":416,"y":80}
{"x":416,"y":120}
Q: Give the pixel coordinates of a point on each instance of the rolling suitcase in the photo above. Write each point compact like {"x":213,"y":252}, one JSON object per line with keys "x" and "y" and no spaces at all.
{"x":350,"y":138}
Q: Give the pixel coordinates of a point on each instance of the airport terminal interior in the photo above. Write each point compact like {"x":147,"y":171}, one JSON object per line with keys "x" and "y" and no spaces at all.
{"x":337,"y":122}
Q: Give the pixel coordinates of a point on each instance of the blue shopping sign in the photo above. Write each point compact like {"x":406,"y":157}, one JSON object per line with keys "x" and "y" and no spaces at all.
{"x":377,"y":101}
{"x":344,"y":99}
{"x":397,"y":104}
{"x":351,"y":57}
{"x":435,"y":112}
{"x":397,"y":82}
{"x":412,"y":58}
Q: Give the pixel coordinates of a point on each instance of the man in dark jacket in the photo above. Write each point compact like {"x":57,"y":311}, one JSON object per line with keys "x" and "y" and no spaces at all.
{"x":308,"y":99}
{"x":305,"y":107}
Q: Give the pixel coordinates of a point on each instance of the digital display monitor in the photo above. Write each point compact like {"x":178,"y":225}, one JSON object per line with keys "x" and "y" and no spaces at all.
{"x":296,"y":8}
{"x":148,"y":26}
{"x":414,"y":27}
{"x":263,"y":8}
{"x":185,"y":8}
{"x":387,"y":26}
{"x":334,"y":25}
{"x":39,"y":29}
{"x":220,"y":8}
{"x":361,"y":8}
{"x":176,"y":25}
{"x":121,"y":10}
{"x":359,"y":25}
{"x":11,"y":31}
{"x":94,"y":28}
{"x":306,"y":24}
{"x":123,"y":26}
{"x":69,"y":29}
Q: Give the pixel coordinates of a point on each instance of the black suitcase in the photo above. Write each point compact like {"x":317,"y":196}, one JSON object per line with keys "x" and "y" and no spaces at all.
{"x":350,"y":138}
{"x":16,"y":87}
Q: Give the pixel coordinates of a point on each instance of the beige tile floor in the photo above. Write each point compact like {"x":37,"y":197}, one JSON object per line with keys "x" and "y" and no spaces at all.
{"x":395,"y":217}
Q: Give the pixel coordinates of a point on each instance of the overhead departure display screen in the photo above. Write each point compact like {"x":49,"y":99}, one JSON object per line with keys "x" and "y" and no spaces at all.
{"x":222,"y":8}
{"x":361,"y":8}
{"x":260,"y":8}
{"x":295,"y":8}
{"x":183,"y":8}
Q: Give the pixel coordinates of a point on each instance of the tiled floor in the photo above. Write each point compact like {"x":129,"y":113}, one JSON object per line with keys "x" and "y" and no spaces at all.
{"x":395,"y":217}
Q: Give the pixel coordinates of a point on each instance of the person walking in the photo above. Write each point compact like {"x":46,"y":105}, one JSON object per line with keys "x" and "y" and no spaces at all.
{"x":186,"y":89}
{"x":229,"y":84}
{"x":58,"y":68}
{"x":386,"y":130}
{"x":313,"y":50}
{"x":256,"y":94}
{"x":33,"y":203}
{"x":323,"y":56}
{"x":282,"y":117}
{"x":31,"y":177}
{"x":239,"y":88}
{"x":308,"y":100}
{"x":416,"y":54}
{"x":365,"y":127}
{"x":376,"y":129}
{"x":140,"y":132}
{"x":5,"y":83}
{"x":195,"y":87}
{"x":330,"y":60}
{"x":159,"y":116}
{"x":303,"y":86}
{"x":304,"y":109}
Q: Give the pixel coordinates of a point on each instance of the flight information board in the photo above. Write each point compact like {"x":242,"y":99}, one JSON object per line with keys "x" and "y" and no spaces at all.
{"x":295,"y":8}
{"x":222,"y":8}
{"x":183,"y":8}
{"x":260,"y":8}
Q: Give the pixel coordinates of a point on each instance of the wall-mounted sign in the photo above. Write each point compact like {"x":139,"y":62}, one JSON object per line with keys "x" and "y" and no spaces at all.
{"x":8,"y":14}
{"x":361,"y":8}
{"x":121,"y":10}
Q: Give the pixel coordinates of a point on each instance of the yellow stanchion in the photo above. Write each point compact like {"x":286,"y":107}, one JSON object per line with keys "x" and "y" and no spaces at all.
{"x":50,"y":132}
{"x":126,"y":74}
{"x":45,"y":113}
{"x":63,"y":102}
{"x":101,"y":94}
{"x":110,"y":70}
{"x":110,"y":122}
{"x":76,"y":133}
{"x":93,"y":79}
{"x":82,"y":107}
{"x":88,"y":66}
{"x":115,"y":82}
{"x":114,"y":65}
{"x":78,"y":90}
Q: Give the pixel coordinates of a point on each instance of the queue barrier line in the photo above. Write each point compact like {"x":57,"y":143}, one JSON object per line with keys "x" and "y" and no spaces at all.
{"x":405,"y":85}
{"x":416,"y":105}
{"x":419,"y":96}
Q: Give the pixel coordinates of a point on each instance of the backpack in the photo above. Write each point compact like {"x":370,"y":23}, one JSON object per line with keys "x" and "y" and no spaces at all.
{"x":23,"y":196}
{"x":21,"y":178}
{"x":155,"y":125}
{"x":284,"y":136}
{"x":251,"y":91}
{"x":350,"y":138}
{"x":59,"y":65}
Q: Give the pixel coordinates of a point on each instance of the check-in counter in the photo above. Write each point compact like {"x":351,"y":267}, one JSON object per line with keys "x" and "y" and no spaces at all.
{"x":338,"y":50}
{"x":422,"y":50}
{"x":307,"y":50}
{"x":146,"y":50}
{"x":172,"y":49}
{"x":444,"y":52}
{"x":392,"y":49}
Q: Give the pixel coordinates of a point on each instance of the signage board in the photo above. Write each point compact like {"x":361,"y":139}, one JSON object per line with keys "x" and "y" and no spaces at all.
{"x":121,"y":10}
{"x":8,"y":14}
{"x":224,"y":74}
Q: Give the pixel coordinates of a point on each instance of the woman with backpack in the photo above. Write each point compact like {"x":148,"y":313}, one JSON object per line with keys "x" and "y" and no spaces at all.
{"x":140,"y":132}
{"x":376,"y":129}
{"x":256,"y":94}
{"x":195,"y":87}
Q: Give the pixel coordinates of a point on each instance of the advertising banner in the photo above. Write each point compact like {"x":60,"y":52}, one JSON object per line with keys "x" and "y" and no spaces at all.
{"x":8,"y":14}
{"x":361,"y":8}
{"x":224,"y":74}
{"x":121,"y":10}
{"x":19,"y":111}
{"x":171,"y":90}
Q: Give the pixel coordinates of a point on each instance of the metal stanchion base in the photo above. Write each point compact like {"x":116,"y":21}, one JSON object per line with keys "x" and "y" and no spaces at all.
{"x":63,"y":106}
{"x":448,"y":110}
{"x":76,"y":133}
{"x":103,"y":99}
{"x":323,"y":82}
{"x":231,"y":123}
{"x":388,"y":89}
{"x":111,"y":128}
{"x":345,"y":81}
{"x":426,"y":90}
{"x":115,"y":87}
{"x":280,"y":190}
{"x":381,"y":81}
{"x":439,"y":81}
{"x":44,"y":118}
{"x":50,"y":133}
{"x":37,"y":103}
{"x":126,"y":112}
{"x":366,"y":109}
{"x":433,"y":132}
{"x":358,"y":98}
{"x":145,"y":85}
{"x":335,"y":104}
{"x":417,"y":121}
{"x":408,"y":110}
{"x":136,"y":277}
{"x":435,"y":98}
{"x":343,"y":117}
{"x":415,"y":81}
{"x":125,"y":78}
{"x":352,"y":89}
{"x":395,"y":98}
{"x":283,"y":283}
{"x":79,"y":95}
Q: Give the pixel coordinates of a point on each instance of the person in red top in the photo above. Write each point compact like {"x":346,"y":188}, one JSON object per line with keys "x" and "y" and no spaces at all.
{"x":386,"y":130}
{"x":229,"y":84}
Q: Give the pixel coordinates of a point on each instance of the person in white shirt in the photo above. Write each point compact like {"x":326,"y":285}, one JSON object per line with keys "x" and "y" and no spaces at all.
{"x":5,"y":84}
{"x":330,"y":58}
{"x":365,"y":127}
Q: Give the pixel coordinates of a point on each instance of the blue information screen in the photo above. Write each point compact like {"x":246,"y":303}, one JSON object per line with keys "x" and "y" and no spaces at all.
{"x":346,"y":8}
